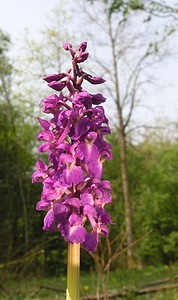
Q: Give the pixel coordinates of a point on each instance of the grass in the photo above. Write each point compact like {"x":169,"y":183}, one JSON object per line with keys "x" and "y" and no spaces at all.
{"x":120,"y":280}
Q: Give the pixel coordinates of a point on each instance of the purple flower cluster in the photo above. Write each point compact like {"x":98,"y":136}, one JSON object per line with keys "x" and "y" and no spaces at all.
{"x":73,"y":193}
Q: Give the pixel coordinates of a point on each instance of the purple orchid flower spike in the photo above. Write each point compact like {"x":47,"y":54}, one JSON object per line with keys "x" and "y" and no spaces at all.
{"x":73,"y":189}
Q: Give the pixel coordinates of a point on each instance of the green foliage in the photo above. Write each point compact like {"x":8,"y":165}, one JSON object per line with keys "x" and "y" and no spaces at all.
{"x":153,"y":181}
{"x":5,"y":41}
{"x":157,"y":203}
{"x":42,"y":252}
{"x":27,"y":249}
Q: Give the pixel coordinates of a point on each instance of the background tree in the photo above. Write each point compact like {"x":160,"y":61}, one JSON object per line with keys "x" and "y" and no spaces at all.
{"x":153,"y":186}
{"x":153,"y":8}
{"x":123,"y":30}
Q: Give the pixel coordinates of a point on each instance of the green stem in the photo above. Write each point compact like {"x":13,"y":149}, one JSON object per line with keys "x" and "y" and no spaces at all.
{"x":73,"y":272}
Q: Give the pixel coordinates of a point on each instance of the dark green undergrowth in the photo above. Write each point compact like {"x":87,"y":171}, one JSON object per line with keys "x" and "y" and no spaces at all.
{"x":122,"y":280}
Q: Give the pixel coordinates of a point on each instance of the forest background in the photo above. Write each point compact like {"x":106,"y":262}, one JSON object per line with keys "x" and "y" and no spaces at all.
{"x":129,"y":42}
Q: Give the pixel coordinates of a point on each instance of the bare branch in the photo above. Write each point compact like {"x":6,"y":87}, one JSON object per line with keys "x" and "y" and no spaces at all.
{"x":160,"y":10}
{"x":116,"y":254}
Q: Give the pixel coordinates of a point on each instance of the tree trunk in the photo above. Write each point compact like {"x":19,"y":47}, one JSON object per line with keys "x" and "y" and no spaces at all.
{"x":126,"y":195}
{"x":123,"y":155}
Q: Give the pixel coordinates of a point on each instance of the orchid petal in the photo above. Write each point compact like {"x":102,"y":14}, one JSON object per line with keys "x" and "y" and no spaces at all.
{"x":49,"y":223}
{"x":91,"y":242}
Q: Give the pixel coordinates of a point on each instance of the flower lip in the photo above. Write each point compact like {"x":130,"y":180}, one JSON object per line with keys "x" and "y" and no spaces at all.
{"x":91,"y":242}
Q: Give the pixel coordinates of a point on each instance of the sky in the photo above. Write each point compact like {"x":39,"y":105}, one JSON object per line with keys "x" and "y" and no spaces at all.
{"x":16,"y":15}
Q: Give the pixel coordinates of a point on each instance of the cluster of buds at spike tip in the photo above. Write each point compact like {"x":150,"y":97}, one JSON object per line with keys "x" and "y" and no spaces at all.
{"x":74,"y":195}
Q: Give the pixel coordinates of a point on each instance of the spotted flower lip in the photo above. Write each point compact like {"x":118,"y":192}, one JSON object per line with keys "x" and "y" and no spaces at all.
{"x":74,"y":194}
